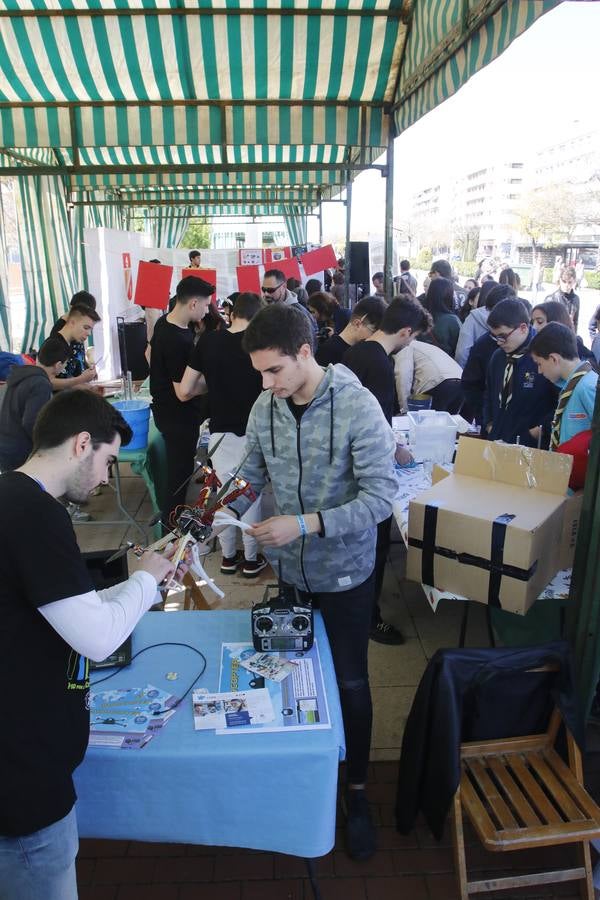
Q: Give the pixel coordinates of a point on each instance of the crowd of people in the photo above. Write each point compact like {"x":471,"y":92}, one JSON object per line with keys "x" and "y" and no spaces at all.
{"x":300,"y":392}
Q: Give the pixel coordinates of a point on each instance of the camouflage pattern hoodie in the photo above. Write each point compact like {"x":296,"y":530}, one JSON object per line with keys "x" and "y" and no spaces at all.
{"x":338,"y":460}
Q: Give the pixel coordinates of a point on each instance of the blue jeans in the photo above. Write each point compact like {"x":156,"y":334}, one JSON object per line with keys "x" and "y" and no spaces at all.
{"x":41,"y":866}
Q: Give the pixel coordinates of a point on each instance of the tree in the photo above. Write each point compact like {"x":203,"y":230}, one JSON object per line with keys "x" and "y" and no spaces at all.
{"x":549,"y":214}
{"x":424,"y":258}
{"x":465,"y":240}
{"x":197,"y":236}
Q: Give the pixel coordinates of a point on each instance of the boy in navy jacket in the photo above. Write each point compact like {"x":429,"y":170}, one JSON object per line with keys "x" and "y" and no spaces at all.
{"x":518,"y":402}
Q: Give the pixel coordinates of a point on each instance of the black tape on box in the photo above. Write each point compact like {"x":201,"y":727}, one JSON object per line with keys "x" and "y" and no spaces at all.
{"x":495,"y":565}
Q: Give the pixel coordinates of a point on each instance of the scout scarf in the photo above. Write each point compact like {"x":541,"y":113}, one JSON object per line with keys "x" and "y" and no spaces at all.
{"x":508,"y":378}
{"x":565,"y":396}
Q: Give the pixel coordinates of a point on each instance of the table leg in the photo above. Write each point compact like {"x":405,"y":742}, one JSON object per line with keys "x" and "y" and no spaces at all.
{"x":126,"y":513}
{"x":312,"y":877}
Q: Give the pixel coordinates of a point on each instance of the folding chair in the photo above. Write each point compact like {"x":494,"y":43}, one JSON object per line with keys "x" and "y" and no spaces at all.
{"x":519,"y":793}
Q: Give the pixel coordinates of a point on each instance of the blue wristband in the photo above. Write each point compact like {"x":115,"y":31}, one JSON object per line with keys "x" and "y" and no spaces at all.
{"x":302,"y":524}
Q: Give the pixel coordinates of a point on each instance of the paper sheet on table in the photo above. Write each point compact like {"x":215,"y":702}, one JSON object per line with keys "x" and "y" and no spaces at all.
{"x":231,"y":709}
{"x":299,"y":702}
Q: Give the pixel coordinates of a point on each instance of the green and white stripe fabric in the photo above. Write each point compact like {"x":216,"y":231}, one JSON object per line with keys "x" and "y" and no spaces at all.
{"x":46,"y":254}
{"x":451,"y":40}
{"x":295,"y":221}
{"x":5,"y":341}
{"x":237,"y":106}
{"x":233,"y":83}
{"x":167,"y":225}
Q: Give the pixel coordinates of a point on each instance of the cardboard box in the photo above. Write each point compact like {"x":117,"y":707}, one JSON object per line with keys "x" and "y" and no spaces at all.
{"x":498,"y":528}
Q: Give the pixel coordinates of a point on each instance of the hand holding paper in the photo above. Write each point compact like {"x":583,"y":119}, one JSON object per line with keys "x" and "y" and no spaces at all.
{"x":224,"y":519}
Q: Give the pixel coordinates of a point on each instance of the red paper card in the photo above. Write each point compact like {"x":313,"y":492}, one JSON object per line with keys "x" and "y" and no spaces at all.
{"x":209,"y":275}
{"x":317,"y":260}
{"x":153,"y":285}
{"x":289,"y":267}
{"x":248,"y":279}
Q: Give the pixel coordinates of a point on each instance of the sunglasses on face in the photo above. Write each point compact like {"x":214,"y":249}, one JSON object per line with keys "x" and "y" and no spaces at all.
{"x":267,"y":290}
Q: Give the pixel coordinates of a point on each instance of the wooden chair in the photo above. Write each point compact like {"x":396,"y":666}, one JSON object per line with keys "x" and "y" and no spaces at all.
{"x":519,"y":793}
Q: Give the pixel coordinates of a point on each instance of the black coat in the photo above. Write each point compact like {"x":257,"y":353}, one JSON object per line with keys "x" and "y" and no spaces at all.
{"x":474,"y":374}
{"x":28,"y":389}
{"x":475,"y":695}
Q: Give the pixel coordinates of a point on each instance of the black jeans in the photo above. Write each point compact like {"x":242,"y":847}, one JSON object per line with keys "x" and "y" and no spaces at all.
{"x":381,"y":554}
{"x":347,"y":618}
{"x":447,"y":396}
{"x":180,"y":443}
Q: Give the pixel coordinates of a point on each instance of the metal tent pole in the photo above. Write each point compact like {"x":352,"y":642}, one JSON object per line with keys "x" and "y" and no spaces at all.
{"x":348,"y":231}
{"x":389,"y":216}
{"x":320,"y":219}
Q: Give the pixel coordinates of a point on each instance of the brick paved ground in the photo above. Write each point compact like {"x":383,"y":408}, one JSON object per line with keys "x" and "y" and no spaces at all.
{"x":404,"y":868}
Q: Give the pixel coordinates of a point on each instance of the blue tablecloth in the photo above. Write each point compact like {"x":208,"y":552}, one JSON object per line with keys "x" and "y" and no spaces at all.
{"x":263,"y":791}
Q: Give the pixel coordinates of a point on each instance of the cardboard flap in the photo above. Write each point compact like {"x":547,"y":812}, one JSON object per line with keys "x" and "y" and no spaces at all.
{"x":438,"y":474}
{"x":513,"y":464}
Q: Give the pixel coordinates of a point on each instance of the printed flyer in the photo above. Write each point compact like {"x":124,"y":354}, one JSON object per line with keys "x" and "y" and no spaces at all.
{"x":231,"y":709}
{"x":299,"y":701}
{"x":128,"y":718}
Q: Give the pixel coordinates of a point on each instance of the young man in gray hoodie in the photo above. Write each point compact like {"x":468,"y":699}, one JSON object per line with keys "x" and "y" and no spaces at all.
{"x":325,"y":444}
{"x":28,"y":389}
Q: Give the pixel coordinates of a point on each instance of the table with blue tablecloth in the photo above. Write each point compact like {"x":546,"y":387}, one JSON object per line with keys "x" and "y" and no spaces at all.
{"x":269,"y":791}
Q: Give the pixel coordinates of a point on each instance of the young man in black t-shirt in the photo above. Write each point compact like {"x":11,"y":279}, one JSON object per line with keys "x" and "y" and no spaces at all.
{"x":233,"y":385}
{"x":177,"y":415}
{"x":74,"y":332}
{"x":52,"y":621}
{"x":372,"y":362}
{"x":365,"y":320}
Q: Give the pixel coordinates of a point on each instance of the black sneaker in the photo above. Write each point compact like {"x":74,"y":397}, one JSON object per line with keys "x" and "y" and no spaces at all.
{"x":361,"y":837}
{"x":384,"y":633}
{"x":252,"y":567}
{"x":229,"y":564}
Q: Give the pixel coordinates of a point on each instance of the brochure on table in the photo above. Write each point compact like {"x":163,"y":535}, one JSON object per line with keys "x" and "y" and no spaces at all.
{"x":299,"y":701}
{"x":128,"y":718}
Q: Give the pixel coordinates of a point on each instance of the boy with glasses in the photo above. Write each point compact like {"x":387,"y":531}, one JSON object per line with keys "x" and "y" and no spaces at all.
{"x":275,"y":290}
{"x":518,"y":403}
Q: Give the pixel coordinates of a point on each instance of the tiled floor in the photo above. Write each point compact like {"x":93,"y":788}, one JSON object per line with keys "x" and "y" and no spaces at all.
{"x":413,"y":867}
{"x":404,"y":868}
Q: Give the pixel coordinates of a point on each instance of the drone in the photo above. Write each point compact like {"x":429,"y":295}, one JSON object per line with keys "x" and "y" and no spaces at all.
{"x":191,"y":525}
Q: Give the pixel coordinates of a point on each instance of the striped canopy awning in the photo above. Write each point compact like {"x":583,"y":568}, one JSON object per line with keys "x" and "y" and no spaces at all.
{"x":218,"y":97}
